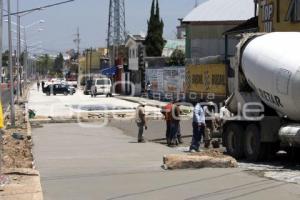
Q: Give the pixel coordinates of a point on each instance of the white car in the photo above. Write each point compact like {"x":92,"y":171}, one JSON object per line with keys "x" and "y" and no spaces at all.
{"x":101,"y":86}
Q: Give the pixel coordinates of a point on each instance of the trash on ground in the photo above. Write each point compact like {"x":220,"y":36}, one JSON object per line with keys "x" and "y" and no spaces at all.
{"x":18,"y":136}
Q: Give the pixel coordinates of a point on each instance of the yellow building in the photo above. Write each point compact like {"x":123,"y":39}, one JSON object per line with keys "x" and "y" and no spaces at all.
{"x":279,"y":15}
{"x":90,"y":61}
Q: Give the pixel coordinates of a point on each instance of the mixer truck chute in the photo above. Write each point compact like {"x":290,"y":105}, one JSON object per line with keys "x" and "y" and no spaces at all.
{"x":267,"y":73}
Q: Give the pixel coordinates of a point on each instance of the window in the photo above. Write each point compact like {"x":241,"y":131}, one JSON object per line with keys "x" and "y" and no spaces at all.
{"x":293,"y":14}
{"x":103,"y":82}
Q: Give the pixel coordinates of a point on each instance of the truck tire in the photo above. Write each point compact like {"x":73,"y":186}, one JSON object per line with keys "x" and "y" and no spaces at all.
{"x":234,"y":140}
{"x":254,"y":149}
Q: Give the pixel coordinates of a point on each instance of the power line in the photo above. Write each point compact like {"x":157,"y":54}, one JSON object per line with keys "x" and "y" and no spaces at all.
{"x":39,"y":8}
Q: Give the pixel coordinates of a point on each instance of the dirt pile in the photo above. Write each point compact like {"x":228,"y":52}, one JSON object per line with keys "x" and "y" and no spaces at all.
{"x":206,"y":159}
{"x":16,"y":143}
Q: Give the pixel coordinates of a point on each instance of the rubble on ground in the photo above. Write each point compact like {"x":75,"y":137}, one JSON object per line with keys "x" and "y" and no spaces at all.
{"x":16,"y":143}
{"x":206,"y":159}
{"x":18,"y":180}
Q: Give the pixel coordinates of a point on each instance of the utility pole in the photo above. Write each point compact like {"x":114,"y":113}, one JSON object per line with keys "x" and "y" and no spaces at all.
{"x":18,"y":56}
{"x":196,"y":3}
{"x":1,"y":45}
{"x":77,"y":41}
{"x":12,"y":103}
{"x":1,"y":36}
{"x":91,"y":57}
{"x":25,"y":61}
{"x":86,"y":61}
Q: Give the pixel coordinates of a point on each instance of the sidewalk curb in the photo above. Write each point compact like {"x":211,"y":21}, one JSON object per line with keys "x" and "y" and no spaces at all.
{"x":137,"y":101}
{"x":38,"y":195}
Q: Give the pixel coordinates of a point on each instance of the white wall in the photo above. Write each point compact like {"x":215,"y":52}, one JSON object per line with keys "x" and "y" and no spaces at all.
{"x":133,"y":61}
{"x":211,"y":47}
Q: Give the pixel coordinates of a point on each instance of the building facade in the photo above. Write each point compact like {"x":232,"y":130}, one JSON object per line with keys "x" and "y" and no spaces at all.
{"x":92,"y":61}
{"x":206,"y":24}
{"x":135,"y":49}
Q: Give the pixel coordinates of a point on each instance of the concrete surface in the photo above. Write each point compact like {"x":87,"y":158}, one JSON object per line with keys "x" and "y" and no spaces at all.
{"x":102,"y":163}
{"x":150,"y":102}
{"x":63,"y":106}
{"x":22,"y":187}
{"x":156,"y":128}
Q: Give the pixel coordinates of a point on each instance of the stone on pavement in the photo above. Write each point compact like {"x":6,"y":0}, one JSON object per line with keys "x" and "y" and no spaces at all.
{"x":209,"y":159}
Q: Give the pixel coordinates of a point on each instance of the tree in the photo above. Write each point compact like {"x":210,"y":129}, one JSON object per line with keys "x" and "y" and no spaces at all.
{"x":5,"y":58}
{"x":44,"y":64}
{"x":154,"y":41}
{"x":58,"y":63}
{"x":177,"y":58}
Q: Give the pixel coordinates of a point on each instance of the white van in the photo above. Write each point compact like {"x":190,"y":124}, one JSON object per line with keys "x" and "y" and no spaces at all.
{"x":101,"y":86}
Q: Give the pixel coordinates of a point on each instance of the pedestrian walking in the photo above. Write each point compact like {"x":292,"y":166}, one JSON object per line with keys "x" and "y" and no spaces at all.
{"x":149,"y":88}
{"x":93,"y":91}
{"x":38,"y":85}
{"x":141,"y":122}
{"x":198,"y":127}
{"x":167,"y":112}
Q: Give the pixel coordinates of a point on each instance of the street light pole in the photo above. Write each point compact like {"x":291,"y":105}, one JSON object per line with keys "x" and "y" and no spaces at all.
{"x":1,"y":36}
{"x":1,"y":44}
{"x":25,"y":57}
{"x":12,"y":103}
{"x":18,"y":53}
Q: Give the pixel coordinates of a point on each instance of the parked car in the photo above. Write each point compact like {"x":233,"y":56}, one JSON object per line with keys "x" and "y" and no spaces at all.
{"x":58,"y":89}
{"x":101,"y":86}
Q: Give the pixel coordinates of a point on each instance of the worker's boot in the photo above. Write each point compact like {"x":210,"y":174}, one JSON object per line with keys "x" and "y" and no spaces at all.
{"x":180,"y":141}
{"x":206,"y":144}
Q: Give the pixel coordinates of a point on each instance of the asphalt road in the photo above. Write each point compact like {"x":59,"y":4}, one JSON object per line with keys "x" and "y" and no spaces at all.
{"x":89,"y":162}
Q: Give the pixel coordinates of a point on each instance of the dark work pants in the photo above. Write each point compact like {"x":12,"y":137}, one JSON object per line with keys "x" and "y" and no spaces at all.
{"x":140,"y":131}
{"x":198,"y":132}
{"x":178,"y":134}
{"x":168,"y":131}
{"x":174,"y":131}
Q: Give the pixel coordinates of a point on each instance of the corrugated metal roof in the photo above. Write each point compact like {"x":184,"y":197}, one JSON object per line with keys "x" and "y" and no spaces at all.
{"x":221,"y":10}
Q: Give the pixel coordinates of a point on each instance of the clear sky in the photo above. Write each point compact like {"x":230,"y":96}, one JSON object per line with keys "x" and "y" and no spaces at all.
{"x":91,"y":17}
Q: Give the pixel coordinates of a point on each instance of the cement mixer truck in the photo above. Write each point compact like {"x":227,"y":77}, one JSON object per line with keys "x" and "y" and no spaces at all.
{"x":266,"y":98}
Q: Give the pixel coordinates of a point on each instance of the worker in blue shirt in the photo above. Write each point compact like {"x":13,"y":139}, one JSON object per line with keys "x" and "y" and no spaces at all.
{"x":198,"y":127}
